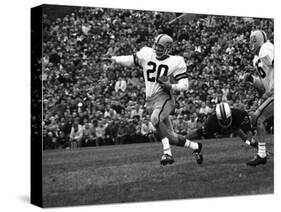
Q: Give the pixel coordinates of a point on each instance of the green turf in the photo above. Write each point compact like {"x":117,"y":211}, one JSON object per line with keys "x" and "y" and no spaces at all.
{"x":132,"y":173}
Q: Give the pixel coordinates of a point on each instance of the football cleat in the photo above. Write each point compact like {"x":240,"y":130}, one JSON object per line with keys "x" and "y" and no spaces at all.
{"x":166,"y":159}
{"x":198,"y":154}
{"x":257,"y":161}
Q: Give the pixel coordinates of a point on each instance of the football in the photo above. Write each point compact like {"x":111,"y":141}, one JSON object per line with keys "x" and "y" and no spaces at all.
{"x":163,"y":79}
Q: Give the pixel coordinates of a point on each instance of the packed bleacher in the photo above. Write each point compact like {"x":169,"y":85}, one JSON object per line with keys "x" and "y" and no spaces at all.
{"x":94,"y":103}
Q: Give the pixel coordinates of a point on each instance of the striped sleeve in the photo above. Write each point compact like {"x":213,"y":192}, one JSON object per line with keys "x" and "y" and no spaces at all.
{"x":136,"y":61}
{"x":266,"y":54}
{"x":181,"y":76}
{"x":180,"y":72}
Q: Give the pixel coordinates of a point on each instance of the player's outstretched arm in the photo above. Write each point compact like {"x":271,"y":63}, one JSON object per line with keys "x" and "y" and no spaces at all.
{"x":127,"y":60}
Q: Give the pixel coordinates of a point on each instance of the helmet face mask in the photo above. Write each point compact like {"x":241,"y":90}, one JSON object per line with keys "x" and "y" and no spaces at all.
{"x":223,"y":113}
{"x":159,"y":50}
{"x":162,"y":45}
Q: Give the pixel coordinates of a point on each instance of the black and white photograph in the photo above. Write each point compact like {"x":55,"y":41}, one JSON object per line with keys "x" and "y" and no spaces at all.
{"x":140,"y":105}
{"x":146,"y":105}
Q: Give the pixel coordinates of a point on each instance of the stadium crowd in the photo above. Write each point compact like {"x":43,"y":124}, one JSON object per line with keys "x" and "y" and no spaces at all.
{"x":88,"y":101}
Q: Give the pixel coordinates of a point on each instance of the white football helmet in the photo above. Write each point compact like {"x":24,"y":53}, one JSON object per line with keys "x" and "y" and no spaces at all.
{"x":257,"y":39}
{"x":223,"y":113}
{"x":162,"y":45}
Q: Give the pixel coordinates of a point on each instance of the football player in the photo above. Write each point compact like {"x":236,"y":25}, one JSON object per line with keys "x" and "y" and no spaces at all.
{"x":264,"y":64}
{"x":158,"y":66}
{"x":226,"y":120}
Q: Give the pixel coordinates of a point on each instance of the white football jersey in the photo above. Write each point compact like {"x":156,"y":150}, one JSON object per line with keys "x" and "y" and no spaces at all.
{"x":154,"y":68}
{"x":264,"y":65}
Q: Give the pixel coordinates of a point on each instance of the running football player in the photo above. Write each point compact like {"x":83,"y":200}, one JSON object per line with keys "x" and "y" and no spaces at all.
{"x":158,"y":66}
{"x":264,"y":64}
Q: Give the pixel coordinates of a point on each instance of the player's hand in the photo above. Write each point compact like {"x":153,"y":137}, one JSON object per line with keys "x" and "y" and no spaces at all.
{"x":248,"y":78}
{"x":164,"y":82}
{"x":266,"y":95}
{"x":108,"y":59}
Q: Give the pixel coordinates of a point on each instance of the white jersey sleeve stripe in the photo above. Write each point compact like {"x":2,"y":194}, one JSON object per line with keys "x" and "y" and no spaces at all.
{"x":181,"y":76}
{"x":136,"y":61}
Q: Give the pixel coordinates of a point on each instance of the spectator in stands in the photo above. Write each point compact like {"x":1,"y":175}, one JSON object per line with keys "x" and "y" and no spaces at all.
{"x":205,"y":109}
{"x":122,"y":132}
{"x":63,"y":141}
{"x":88,"y":135}
{"x":76,"y":135}
{"x":147,"y":130}
{"x":48,"y":140}
{"x":216,"y":55}
{"x":131,"y":128}
{"x":110,"y":112}
{"x":111,"y":132}
{"x":136,"y":111}
{"x":180,"y":125}
{"x":120,"y":85}
{"x":100,"y":133}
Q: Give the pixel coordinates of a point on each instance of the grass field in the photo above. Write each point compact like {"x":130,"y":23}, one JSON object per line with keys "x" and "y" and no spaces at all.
{"x":132,"y":173}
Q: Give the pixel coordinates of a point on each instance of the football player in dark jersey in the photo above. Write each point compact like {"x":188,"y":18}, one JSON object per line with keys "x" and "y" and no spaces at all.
{"x":226,"y":120}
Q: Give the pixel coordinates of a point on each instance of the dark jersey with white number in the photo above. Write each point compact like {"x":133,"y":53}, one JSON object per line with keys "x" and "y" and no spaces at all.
{"x":240,"y":119}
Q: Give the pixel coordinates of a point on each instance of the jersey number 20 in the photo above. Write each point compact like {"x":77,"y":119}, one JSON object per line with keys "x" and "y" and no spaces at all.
{"x":154,"y":68}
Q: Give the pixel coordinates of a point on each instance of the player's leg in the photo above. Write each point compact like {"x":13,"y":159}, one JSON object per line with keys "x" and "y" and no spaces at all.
{"x":246,"y":136}
{"x":177,"y":139}
{"x":163,"y":136}
{"x":180,"y":140}
{"x":245,"y":132}
{"x":195,"y":134}
{"x":264,"y":112}
{"x":162,"y":107}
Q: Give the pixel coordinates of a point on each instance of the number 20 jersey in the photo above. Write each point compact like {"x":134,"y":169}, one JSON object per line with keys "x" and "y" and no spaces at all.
{"x":154,"y":68}
{"x":264,"y":65}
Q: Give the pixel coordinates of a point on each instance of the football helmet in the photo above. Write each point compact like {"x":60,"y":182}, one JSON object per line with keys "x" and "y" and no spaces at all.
{"x":162,"y":45}
{"x":257,"y":39}
{"x":223,"y":113}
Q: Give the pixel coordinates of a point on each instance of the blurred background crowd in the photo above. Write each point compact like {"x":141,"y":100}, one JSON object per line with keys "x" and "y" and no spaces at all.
{"x":89,"y":102}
